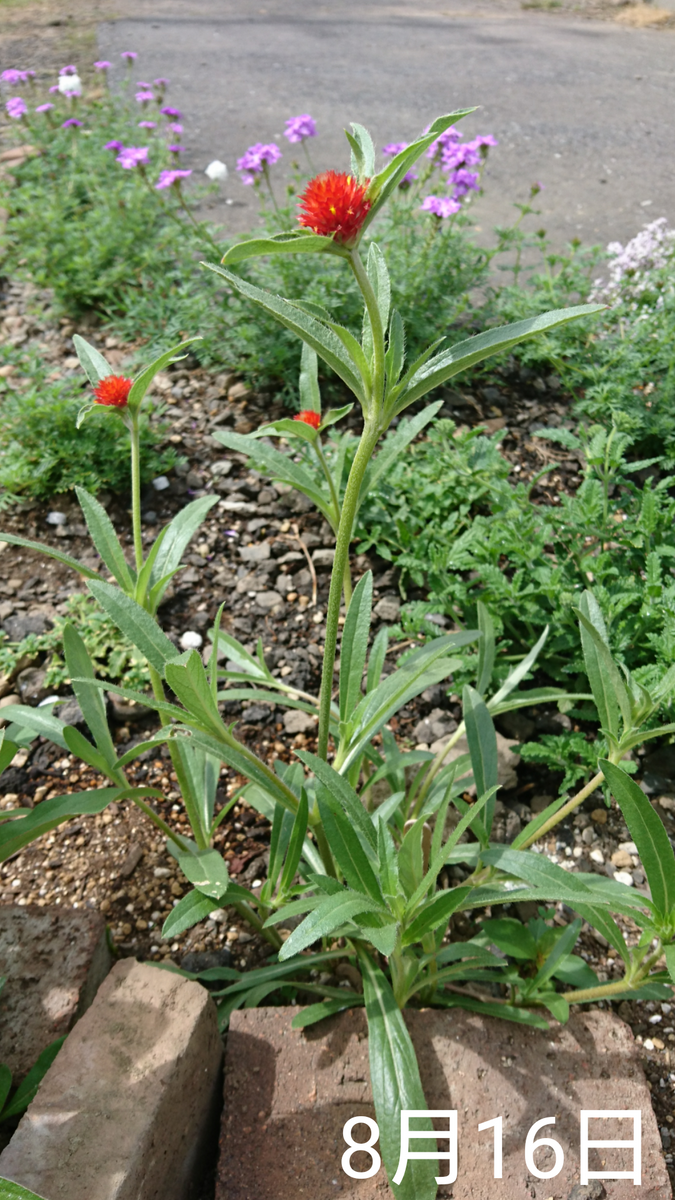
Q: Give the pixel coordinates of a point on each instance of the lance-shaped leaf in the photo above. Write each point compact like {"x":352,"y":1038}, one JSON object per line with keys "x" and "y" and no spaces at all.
{"x":394,"y":445}
{"x":338,"y":787}
{"x":363,"y":152}
{"x":14,"y":1191}
{"x":90,"y":699}
{"x":354,"y":645}
{"x":27,"y":1089}
{"x":178,"y":535}
{"x":135,"y":623}
{"x":104,"y":538}
{"x":649,"y":835}
{"x":347,"y":848}
{"x":482,"y":739}
{"x":66,"y":559}
{"x":295,"y":241}
{"x":17,"y":833}
{"x":326,"y":344}
{"x":486,"y":649}
{"x":435,"y":913}
{"x":308,"y":381}
{"x":227,"y":749}
{"x":189,"y":911}
{"x":207,"y":872}
{"x":188,"y":680}
{"x":607,"y":686}
{"x":607,"y":926}
{"x":378,"y":274}
{"x":94,"y":365}
{"x":38,"y":721}
{"x":396,"y":1084}
{"x":142,"y":382}
{"x":277,"y":466}
{"x":330,"y":914}
{"x":495,"y":341}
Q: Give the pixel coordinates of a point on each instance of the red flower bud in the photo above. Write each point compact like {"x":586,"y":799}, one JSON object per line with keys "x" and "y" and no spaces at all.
{"x":334,"y":203}
{"x":113,"y":390}
{"x":309,"y":417}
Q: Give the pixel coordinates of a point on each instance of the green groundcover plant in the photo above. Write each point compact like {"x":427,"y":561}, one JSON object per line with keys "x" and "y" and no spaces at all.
{"x":369,"y":873}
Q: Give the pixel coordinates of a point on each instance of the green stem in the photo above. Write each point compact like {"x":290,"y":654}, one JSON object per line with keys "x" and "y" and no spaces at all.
{"x":635,"y":977}
{"x":160,"y":823}
{"x":370,"y":299}
{"x":200,"y":232}
{"x":200,"y":835}
{"x":347,"y":577}
{"x":270,"y":935}
{"x":362,"y":457}
{"x":268,"y":181}
{"x":565,"y":810}
{"x":136,"y":492}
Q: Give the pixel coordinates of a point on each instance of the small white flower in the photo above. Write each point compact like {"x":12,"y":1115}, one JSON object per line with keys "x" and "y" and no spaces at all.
{"x":68,"y":84}
{"x":216,"y":171}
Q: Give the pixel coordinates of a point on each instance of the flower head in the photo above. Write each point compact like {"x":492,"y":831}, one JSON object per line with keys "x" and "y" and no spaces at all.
{"x":132,"y":156}
{"x":71,"y":70}
{"x":169,"y":178}
{"x":168,"y":111}
{"x":129,"y":56}
{"x":161,"y":83}
{"x":70,"y":85}
{"x":299,"y":128}
{"x":147,"y":124}
{"x":11,"y":76}
{"x":393,"y":148}
{"x":116,"y":146}
{"x":463,"y":181}
{"x":216,"y":170}
{"x":144,"y":97}
{"x":177,"y":129}
{"x":177,"y":149}
{"x":71,"y":123}
{"x":309,"y":417}
{"x":113,"y":391}
{"x":44,"y":108}
{"x":55,"y":88}
{"x":26,"y":76}
{"x":16,"y":108}
{"x":103,"y":65}
{"x":335,"y":203}
{"x":440,"y":206}
{"x":444,"y":142}
{"x":254,"y":160}
{"x":142,"y":84}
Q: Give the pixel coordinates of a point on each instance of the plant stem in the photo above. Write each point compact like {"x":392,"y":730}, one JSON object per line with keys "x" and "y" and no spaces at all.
{"x":370,"y":299}
{"x":362,"y":457}
{"x":201,"y":232}
{"x":563,"y":812}
{"x":136,"y":492}
{"x":347,"y":577}
{"x":200,"y":834}
{"x":159,"y":822}
{"x":268,"y":181}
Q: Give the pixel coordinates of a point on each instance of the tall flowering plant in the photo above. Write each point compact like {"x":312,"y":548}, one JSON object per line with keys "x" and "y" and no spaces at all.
{"x":368,"y":880}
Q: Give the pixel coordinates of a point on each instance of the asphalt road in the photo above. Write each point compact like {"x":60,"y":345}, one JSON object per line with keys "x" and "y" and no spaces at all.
{"x":585,"y":107}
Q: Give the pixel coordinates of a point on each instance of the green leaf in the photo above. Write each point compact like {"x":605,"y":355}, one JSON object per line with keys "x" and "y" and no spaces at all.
{"x":341,"y":790}
{"x":82,"y":748}
{"x":144,"y":577}
{"x":354,"y":645}
{"x":536,"y":870}
{"x":189,"y":911}
{"x":279,"y":466}
{"x":187,"y":678}
{"x":229,"y":750}
{"x":601,"y":920}
{"x":506,"y":1012}
{"x":328,"y":1008}
{"x":326,"y":344}
{"x":135,"y":623}
{"x":206,"y":871}
{"x":482,"y":739}
{"x":294,"y":242}
{"x":670,"y":961}
{"x":333,"y":415}
{"x":179,"y":533}
{"x":434,"y":913}
{"x":495,"y":341}
{"x":346,"y":848}
{"x":308,"y":382}
{"x":7,"y":751}
{"x":394,"y":445}
{"x":363,"y":151}
{"x":38,"y":721}
{"x":607,"y":686}
{"x":511,"y":936}
{"x":396,"y":1084}
{"x":14,"y":1191}
{"x":105,"y":539}
{"x":378,"y":653}
{"x":395,"y":355}
{"x":514,"y":677}
{"x":563,"y":946}
{"x":486,"y":649}
{"x":5,"y":1086}
{"x":66,"y":559}
{"x":16,"y":834}
{"x":143,"y":381}
{"x":296,"y":844}
{"x":94,"y":365}
{"x":378,"y":274}
{"x":649,"y":835}
{"x":27,"y":1090}
{"x":90,"y":699}
{"x":287,"y":427}
{"x":332,"y":912}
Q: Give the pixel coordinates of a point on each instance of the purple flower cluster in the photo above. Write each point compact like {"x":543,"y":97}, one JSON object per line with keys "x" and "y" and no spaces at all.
{"x":144,"y":97}
{"x":652,"y":249}
{"x":441,"y":206}
{"x":16,"y":108}
{"x":169,"y":178}
{"x":454,"y":158}
{"x":69,"y":70}
{"x":103,"y":65}
{"x":168,"y":111}
{"x":116,"y":146}
{"x":129,"y":56}
{"x":147,"y":124}
{"x":299,"y":128}
{"x":131,"y":156}
{"x":12,"y":76}
{"x":71,"y":123}
{"x":252,"y":163}
{"x":42,"y":108}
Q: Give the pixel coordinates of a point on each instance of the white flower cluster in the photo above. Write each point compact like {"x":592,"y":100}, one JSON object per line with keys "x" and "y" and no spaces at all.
{"x":630,"y":265}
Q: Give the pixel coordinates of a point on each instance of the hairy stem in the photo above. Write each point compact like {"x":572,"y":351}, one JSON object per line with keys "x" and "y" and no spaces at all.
{"x":347,"y":577}
{"x":370,"y":300}
{"x":565,"y":810}
{"x":136,"y":491}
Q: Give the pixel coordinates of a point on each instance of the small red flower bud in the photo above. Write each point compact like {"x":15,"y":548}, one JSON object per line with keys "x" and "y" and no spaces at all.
{"x":309,"y":417}
{"x":113,"y":390}
{"x":334,"y":203}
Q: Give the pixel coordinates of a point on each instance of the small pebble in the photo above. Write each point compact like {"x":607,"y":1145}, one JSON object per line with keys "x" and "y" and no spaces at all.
{"x":598,"y":857}
{"x":624,"y":877}
{"x":56,"y":518}
{"x":191,"y":640}
{"x":161,"y":483}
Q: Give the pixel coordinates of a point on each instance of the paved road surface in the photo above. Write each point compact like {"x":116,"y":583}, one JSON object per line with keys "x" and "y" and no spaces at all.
{"x":586,"y":107}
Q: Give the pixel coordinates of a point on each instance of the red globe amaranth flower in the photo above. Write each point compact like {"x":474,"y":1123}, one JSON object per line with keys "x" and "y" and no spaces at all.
{"x":334,"y":203}
{"x":113,"y":390}
{"x":309,"y":417}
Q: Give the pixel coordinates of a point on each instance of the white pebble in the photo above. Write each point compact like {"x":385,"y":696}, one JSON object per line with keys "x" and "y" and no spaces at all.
{"x":656,"y":1019}
{"x":597,"y":856}
{"x":648,"y":1044}
{"x":624,"y":877}
{"x":161,"y":483}
{"x":216,"y":171}
{"x":191,"y":640}
{"x":629,"y":847}
{"x":56,"y":518}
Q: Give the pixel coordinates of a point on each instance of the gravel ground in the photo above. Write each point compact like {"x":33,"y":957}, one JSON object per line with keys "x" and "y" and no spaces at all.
{"x":268,"y":556}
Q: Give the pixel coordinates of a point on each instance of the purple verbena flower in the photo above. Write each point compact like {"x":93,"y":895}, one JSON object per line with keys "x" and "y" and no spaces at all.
{"x":132,"y":156}
{"x":103,"y":65}
{"x":161,"y":83}
{"x":129,"y":55}
{"x":147,"y":124}
{"x":463,"y":181}
{"x":252,"y":162}
{"x":26,"y":76}
{"x":11,"y":76}
{"x":44,"y":108}
{"x":444,"y":142}
{"x":144,"y":97}
{"x":168,"y":111}
{"x":177,"y":149}
{"x":169,"y":178}
{"x":299,"y":128}
{"x":177,"y":129}
{"x":55,"y":88}
{"x":393,"y":148}
{"x":116,"y":146}
{"x":142,"y":84}
{"x":16,"y":108}
{"x":70,"y":70}
{"x":440,"y":206}
{"x":71,"y":123}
